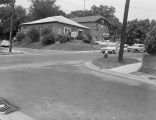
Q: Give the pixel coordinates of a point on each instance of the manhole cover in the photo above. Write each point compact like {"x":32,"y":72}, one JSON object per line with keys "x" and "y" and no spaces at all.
{"x":6,"y":107}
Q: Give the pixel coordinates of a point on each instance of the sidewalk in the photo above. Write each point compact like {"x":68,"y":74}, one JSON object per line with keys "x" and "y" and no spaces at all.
{"x":124,"y":72}
{"x":127,"y":68}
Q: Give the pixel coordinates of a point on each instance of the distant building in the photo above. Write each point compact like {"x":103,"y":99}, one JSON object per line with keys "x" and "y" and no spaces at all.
{"x":99,"y":26}
{"x":58,"y":24}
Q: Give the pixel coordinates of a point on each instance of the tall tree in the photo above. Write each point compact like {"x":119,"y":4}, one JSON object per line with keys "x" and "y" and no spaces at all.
{"x":5,"y":13}
{"x":137,"y":30}
{"x":44,"y":8}
{"x":5,"y":2}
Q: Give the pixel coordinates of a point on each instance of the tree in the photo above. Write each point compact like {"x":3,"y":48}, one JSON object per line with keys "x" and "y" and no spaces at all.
{"x":137,"y":30}
{"x":19,"y":17}
{"x":43,"y":8}
{"x":150,"y":42}
{"x":5,"y":1}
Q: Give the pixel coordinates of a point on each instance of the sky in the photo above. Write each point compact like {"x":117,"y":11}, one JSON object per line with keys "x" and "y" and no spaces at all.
{"x":140,"y":9}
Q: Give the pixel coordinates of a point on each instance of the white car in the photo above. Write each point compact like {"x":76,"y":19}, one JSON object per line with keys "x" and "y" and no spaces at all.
{"x":137,"y":48}
{"x":5,"y":43}
{"x":111,"y":48}
{"x":102,"y":43}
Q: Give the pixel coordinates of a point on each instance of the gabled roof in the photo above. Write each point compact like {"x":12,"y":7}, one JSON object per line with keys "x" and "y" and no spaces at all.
{"x":59,"y":19}
{"x":88,"y":19}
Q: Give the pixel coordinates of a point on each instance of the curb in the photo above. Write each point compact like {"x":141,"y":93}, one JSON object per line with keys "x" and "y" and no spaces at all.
{"x":121,"y":75}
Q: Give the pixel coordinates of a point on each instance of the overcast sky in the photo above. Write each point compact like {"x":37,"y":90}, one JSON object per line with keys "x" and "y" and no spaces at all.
{"x":140,"y":9}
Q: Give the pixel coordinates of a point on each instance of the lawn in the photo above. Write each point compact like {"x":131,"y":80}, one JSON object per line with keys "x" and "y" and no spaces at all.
{"x":71,"y":46}
{"x":112,"y":62}
{"x":62,"y":46}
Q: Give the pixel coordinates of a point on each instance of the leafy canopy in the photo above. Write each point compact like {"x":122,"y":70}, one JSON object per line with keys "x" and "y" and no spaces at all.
{"x":44,"y":8}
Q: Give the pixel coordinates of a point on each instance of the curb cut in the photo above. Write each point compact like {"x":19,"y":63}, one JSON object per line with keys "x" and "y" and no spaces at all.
{"x":121,"y":75}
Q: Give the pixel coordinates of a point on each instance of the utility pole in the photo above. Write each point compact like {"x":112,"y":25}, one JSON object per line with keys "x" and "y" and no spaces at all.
{"x":84,"y":8}
{"x":11,"y":27}
{"x":123,"y":32}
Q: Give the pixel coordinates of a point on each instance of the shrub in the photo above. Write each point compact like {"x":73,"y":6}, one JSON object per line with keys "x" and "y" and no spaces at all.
{"x":150,"y":42}
{"x":48,"y":39}
{"x":63,"y":38}
{"x":20,"y":36}
{"x":33,"y":35}
{"x":87,"y":38}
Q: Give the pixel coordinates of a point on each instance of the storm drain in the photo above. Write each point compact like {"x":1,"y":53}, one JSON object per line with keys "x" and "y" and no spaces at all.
{"x":6,"y":107}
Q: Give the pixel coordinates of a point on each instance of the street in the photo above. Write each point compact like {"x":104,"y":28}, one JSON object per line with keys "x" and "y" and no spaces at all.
{"x":66,"y":90}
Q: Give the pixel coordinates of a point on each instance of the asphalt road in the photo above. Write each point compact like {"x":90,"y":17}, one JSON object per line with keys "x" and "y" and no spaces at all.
{"x":69,"y":91}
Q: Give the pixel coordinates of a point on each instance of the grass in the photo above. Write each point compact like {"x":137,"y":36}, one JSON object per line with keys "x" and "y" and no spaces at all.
{"x":72,"y":46}
{"x":148,"y":71}
{"x":112,"y":62}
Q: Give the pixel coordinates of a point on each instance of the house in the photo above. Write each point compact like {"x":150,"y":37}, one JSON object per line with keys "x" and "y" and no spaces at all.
{"x":99,"y":26}
{"x":58,"y":24}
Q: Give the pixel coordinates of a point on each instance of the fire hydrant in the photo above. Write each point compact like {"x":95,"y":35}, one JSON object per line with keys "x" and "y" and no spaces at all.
{"x":105,"y":54}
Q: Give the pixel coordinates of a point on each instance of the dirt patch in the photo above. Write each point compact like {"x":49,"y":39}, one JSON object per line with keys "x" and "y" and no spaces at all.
{"x":112,"y":62}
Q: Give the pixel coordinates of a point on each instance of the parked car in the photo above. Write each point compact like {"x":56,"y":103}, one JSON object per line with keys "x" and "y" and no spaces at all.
{"x":137,"y":48}
{"x":5,"y":43}
{"x":111,"y":48}
{"x":102,"y":43}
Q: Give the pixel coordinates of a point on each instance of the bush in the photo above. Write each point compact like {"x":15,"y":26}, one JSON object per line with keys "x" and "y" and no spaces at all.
{"x":48,"y":39}
{"x":87,"y":38}
{"x":20,"y":36}
{"x":63,"y":38}
{"x":150,"y":42}
{"x":33,"y":35}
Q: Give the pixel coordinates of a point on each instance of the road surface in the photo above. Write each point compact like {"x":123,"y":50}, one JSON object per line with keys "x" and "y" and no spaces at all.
{"x":67,"y":90}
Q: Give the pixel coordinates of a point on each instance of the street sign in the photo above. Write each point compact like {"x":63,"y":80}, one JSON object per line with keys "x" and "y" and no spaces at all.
{"x":74,"y":34}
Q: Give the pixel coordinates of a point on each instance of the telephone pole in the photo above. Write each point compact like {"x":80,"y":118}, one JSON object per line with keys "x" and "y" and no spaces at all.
{"x":123,"y":32}
{"x":84,"y":8}
{"x":11,"y":27}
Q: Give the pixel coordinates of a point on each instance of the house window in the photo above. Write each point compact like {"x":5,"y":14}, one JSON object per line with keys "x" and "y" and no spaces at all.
{"x":67,"y":31}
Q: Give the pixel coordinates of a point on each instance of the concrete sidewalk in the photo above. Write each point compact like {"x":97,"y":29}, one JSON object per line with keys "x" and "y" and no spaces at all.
{"x":122,"y":73}
{"x":131,"y":68}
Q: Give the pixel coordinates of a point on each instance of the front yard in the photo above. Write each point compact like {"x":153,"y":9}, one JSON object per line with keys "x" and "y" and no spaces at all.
{"x":112,"y":61}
